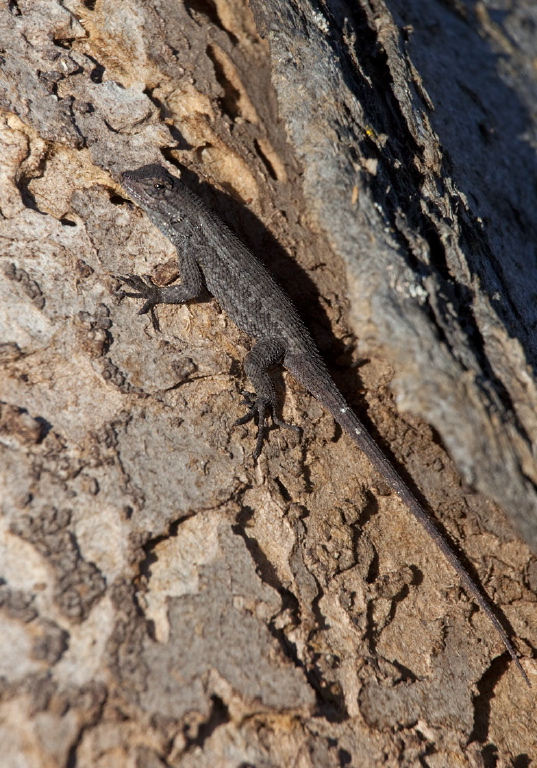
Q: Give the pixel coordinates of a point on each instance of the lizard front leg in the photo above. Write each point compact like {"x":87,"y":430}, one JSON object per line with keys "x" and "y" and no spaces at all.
{"x":265,"y":353}
{"x":144,"y":288}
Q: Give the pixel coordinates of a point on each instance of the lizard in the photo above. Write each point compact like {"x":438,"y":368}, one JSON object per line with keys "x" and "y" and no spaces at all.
{"x":211,"y":256}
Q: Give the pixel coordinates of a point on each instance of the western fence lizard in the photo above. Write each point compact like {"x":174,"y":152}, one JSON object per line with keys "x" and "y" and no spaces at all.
{"x":210,"y":255}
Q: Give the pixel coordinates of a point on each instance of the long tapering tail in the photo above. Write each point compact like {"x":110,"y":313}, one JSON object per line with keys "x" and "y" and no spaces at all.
{"x":322,"y":387}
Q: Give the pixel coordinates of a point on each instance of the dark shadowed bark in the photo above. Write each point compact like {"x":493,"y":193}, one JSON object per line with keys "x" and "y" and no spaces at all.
{"x":165,"y":601}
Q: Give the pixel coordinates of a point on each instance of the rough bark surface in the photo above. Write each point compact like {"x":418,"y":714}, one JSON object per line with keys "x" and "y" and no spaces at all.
{"x":163,"y":600}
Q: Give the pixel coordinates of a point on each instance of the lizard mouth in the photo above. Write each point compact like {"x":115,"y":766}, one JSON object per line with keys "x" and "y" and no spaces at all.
{"x":129,"y":183}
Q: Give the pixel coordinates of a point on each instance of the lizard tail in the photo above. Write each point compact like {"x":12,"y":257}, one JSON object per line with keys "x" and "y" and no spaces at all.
{"x":333,"y":400}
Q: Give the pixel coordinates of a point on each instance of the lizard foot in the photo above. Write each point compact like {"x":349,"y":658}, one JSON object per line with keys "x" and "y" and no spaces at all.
{"x":260,"y":406}
{"x":144,"y":288}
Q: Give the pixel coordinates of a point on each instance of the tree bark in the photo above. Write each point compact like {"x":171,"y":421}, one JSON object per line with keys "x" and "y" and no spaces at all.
{"x":164,"y":600}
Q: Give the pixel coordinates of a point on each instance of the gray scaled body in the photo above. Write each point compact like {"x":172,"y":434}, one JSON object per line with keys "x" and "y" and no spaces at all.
{"x":210,"y":255}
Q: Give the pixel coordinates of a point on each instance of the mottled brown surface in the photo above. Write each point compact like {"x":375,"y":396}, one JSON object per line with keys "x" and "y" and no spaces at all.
{"x":164,"y":602}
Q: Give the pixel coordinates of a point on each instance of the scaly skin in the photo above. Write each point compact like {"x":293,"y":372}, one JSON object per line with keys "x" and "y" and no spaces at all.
{"x":209,"y":254}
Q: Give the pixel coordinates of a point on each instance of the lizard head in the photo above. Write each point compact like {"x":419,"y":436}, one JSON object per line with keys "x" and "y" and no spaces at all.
{"x":148,"y":182}
{"x":164,"y":198}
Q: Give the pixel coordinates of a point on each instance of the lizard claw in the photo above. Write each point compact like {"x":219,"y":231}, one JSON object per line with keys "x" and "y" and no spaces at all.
{"x":254,"y":405}
{"x":144,"y":288}
{"x":258,"y":406}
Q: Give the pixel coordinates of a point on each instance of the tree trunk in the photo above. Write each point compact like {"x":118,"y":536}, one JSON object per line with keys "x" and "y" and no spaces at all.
{"x":166,"y":601}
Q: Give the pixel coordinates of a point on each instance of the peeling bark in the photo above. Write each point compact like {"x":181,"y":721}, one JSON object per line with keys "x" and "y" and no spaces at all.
{"x":164,"y":602}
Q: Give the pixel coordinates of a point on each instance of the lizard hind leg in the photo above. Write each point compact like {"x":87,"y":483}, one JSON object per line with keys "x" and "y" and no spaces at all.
{"x":259,"y":406}
{"x":265,"y":353}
